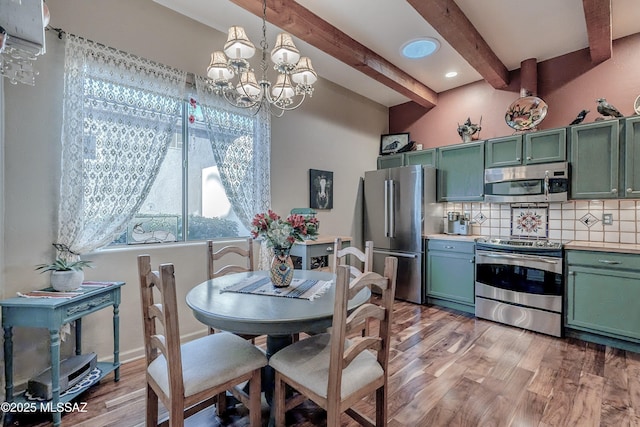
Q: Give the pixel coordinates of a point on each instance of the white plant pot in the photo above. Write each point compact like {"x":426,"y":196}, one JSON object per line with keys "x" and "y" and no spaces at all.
{"x":65,"y":281}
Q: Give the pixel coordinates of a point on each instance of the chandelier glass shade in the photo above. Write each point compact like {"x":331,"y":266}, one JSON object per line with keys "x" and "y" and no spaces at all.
{"x":233,"y":77}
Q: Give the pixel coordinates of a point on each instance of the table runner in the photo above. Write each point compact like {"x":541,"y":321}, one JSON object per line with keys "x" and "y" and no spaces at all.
{"x":299,"y":288}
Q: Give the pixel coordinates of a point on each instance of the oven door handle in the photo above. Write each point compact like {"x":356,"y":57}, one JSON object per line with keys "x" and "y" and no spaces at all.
{"x":519,"y":257}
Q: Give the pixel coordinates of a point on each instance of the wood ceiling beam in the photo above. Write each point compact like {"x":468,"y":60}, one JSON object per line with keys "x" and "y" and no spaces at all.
{"x":302,"y":23}
{"x":449,"y":21}
{"x":597,"y":16}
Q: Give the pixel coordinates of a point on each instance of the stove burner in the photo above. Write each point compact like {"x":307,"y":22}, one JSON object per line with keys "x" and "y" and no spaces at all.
{"x":543,"y":244}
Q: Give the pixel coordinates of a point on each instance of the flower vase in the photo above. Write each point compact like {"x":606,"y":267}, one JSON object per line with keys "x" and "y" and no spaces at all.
{"x":281,"y":270}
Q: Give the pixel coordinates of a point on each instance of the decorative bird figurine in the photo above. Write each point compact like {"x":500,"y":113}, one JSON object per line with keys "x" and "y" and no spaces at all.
{"x":581,"y":115}
{"x":607,"y":109}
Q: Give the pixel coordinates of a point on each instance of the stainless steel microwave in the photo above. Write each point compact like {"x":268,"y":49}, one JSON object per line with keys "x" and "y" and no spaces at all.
{"x":548,"y":182}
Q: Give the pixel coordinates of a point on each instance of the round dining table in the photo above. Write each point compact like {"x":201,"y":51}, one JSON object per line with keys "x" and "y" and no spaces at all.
{"x":275,"y":316}
{"x":255,"y":314}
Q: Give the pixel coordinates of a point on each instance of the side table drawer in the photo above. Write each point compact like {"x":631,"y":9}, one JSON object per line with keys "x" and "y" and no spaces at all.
{"x":320,"y":250}
{"x":84,"y":307}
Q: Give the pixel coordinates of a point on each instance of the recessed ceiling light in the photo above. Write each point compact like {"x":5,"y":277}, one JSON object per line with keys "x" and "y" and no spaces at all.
{"x":451,"y":74}
{"x":420,"y":48}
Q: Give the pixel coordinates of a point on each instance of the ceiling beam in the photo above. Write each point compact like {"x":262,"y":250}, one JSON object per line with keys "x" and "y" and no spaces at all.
{"x":597,"y":16}
{"x":302,"y":23}
{"x":449,"y":21}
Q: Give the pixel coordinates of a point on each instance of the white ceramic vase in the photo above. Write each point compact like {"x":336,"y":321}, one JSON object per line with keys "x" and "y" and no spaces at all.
{"x":65,"y":281}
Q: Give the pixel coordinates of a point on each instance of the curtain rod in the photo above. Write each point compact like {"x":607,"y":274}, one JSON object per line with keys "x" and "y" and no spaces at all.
{"x":190,"y":77}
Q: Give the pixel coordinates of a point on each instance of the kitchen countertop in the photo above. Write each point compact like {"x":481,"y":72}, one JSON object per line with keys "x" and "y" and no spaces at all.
{"x":626,"y":248}
{"x":468,"y":238}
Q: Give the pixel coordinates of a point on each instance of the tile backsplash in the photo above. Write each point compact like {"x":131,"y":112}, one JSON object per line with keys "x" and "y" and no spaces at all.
{"x":573,"y":220}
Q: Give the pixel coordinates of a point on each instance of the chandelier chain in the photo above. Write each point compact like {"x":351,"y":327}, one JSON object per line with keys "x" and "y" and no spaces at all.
{"x":263,"y":43}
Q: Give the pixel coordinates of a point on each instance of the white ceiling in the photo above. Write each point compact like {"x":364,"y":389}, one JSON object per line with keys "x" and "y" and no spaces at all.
{"x":515,"y":30}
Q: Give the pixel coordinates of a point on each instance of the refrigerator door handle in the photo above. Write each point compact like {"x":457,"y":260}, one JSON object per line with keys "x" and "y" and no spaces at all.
{"x":392,"y":209}
{"x":396,"y":254}
{"x":386,"y":209}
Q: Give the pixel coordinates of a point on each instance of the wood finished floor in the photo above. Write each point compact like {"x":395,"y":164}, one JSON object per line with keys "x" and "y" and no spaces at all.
{"x":447,"y":369}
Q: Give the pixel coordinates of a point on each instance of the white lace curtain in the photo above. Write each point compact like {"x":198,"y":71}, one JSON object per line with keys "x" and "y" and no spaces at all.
{"x":119,"y":115}
{"x":241,"y":146}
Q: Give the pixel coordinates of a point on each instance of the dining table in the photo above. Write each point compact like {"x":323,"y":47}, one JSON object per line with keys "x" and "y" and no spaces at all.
{"x":277,"y":317}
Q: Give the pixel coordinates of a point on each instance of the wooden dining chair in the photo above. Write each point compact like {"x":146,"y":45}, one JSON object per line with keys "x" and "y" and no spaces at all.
{"x":366,"y":258}
{"x":340,"y":254}
{"x":245,"y":251}
{"x":187,"y":378}
{"x":214,"y":270}
{"x":335,"y":372}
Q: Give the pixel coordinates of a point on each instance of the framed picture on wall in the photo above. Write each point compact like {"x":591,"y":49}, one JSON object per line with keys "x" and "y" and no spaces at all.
{"x":393,"y":143}
{"x":320,"y":189}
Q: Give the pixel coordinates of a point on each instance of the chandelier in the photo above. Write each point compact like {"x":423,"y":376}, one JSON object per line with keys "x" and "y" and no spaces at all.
{"x":293,"y":83}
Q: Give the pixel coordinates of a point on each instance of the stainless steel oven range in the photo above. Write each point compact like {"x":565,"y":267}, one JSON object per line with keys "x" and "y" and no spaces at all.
{"x":519,"y":283}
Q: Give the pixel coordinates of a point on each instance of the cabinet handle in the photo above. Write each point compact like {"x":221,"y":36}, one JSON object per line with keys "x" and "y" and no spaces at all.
{"x":606,"y":261}
{"x":518,"y":159}
{"x":629,"y":190}
{"x":572,"y":273}
{"x":471,"y":261}
{"x":449,"y":247}
{"x":329,"y":249}
{"x":614,"y":190}
{"x":529,"y":157}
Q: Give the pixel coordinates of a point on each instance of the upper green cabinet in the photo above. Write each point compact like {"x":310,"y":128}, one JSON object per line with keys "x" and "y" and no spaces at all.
{"x":594,"y":157}
{"x":632,"y":157}
{"x":461,"y":172}
{"x":527,"y":149}
{"x":390,"y":161}
{"x":420,"y":157}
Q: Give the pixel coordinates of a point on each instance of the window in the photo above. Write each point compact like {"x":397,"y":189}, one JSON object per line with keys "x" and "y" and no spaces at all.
{"x":133,"y":160}
{"x":188,"y":177}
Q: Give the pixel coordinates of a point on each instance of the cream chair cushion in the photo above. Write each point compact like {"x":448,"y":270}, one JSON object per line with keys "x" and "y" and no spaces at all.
{"x":307,"y":362}
{"x":210,"y":361}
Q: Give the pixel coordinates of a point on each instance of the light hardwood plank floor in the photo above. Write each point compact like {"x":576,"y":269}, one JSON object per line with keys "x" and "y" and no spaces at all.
{"x":447,"y":369}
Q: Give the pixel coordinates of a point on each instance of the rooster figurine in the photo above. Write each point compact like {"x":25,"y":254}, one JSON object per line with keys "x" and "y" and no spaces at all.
{"x":467,"y":130}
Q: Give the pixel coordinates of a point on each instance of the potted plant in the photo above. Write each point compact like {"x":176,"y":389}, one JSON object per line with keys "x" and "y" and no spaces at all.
{"x":67,"y":270}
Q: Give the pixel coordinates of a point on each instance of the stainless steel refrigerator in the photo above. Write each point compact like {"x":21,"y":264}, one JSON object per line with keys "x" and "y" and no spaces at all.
{"x":399,"y":207}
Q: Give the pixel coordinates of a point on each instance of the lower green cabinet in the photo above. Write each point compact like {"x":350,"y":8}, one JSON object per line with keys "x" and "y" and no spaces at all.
{"x":450,"y":272}
{"x":603,"y":297}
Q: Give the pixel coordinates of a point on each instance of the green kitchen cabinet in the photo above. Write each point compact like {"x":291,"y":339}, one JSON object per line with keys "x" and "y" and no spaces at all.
{"x":450,"y":272}
{"x":603,"y":297}
{"x":505,"y":151}
{"x":421,"y":157}
{"x":390,"y":161}
{"x":461,"y":172}
{"x":632,"y":157}
{"x":546,"y":146}
{"x":594,"y":159}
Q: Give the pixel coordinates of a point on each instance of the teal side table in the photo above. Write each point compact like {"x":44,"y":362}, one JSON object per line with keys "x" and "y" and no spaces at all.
{"x":52,"y":313}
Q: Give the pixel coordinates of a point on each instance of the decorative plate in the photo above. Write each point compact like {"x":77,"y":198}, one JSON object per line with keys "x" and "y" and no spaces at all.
{"x":636,"y":105}
{"x":526,"y":113}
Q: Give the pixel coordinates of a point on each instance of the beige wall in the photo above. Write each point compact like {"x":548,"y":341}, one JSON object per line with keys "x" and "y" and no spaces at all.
{"x":336,"y":130}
